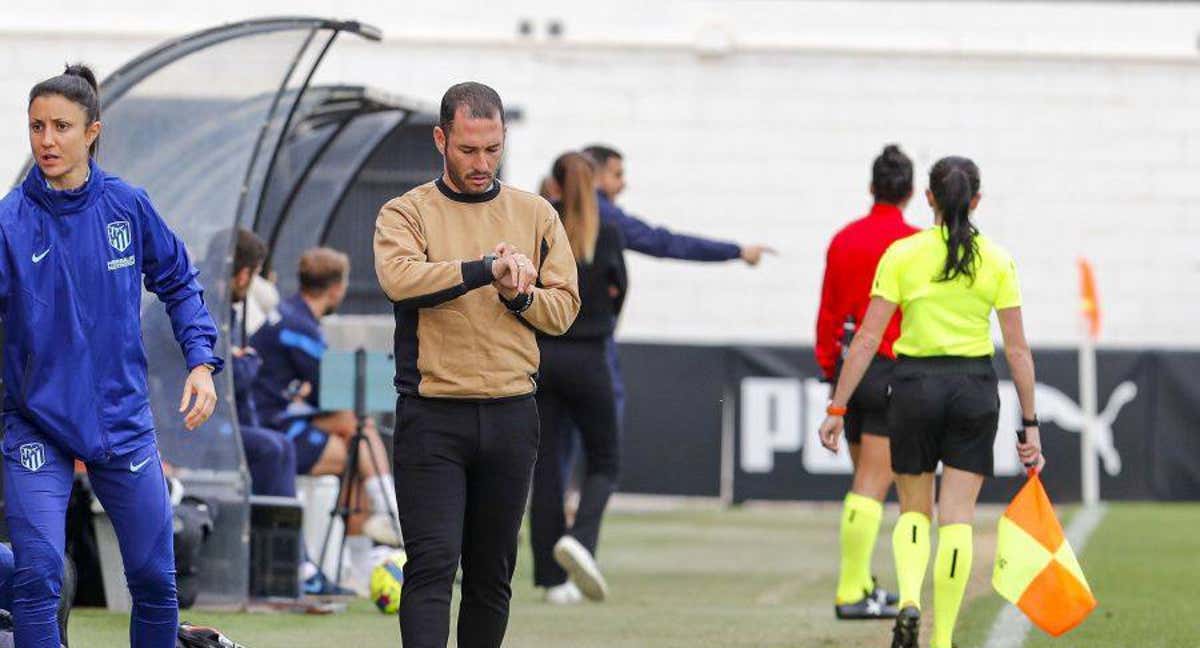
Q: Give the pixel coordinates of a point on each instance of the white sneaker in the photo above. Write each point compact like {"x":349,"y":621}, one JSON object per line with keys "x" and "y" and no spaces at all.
{"x":565,"y":594}
{"x":384,"y":529}
{"x":581,"y":567}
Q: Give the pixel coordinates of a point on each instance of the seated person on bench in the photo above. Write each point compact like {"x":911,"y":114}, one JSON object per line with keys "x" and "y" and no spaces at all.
{"x":270,"y":457}
{"x":291,"y":344}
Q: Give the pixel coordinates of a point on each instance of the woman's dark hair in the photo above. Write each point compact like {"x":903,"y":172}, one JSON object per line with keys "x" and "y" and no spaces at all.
{"x":77,"y":83}
{"x":892,"y":175}
{"x":954,"y":182}
{"x":580,"y":215}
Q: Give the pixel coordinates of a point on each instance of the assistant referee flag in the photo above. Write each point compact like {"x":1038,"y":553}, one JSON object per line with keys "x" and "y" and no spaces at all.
{"x":1035,"y":567}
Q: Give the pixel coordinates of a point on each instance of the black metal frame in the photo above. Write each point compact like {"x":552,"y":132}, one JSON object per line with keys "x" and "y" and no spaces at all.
{"x":115,"y":85}
{"x":358,"y":169}
{"x":287,"y":124}
{"x":286,"y":206}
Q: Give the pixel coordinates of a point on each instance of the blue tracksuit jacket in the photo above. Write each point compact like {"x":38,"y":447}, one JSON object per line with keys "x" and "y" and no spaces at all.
{"x":72,"y":265}
{"x":291,"y":345}
{"x":662,"y":242}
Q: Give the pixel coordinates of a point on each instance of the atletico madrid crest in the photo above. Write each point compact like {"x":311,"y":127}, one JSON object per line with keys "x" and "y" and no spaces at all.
{"x":33,"y":456}
{"x":119,"y":235}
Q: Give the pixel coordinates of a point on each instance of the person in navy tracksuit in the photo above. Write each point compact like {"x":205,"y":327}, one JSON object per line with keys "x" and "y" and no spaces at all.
{"x":76,"y":245}
{"x":652,"y":241}
{"x":270,"y":456}
{"x":644,"y":238}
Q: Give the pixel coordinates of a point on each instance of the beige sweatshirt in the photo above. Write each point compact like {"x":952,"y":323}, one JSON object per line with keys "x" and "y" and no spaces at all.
{"x":455,"y":336}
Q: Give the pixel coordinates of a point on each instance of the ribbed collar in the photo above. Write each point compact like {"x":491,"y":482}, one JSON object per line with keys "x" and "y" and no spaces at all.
{"x":64,"y":202}
{"x":886,"y":210}
{"x":468,"y":198}
{"x":296,"y":303}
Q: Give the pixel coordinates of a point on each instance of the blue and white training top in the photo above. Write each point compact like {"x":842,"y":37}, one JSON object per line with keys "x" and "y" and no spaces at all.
{"x":71,"y":269}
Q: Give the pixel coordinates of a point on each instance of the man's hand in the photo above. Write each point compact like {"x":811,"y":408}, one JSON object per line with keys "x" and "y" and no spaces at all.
{"x":504,"y":249}
{"x":514,"y":272}
{"x":526,"y":273}
{"x":753,"y":254}
{"x":199,"y":391}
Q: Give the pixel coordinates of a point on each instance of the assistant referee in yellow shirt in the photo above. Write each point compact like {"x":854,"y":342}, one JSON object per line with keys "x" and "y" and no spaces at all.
{"x":945,"y":403}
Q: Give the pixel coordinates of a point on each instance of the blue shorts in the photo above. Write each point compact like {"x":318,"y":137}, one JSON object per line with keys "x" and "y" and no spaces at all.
{"x":310,"y":443}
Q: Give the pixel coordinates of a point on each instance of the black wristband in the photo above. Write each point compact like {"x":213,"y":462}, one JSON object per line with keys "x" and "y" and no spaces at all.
{"x":476,"y":274}
{"x":1028,"y":423}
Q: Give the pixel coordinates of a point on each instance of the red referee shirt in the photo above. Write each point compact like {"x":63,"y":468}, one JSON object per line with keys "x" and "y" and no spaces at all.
{"x":849,"y":271}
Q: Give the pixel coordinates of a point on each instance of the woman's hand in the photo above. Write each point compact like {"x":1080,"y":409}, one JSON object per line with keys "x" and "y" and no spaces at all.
{"x":1030,"y":451}
{"x":831,"y":432}
{"x":199,"y":391}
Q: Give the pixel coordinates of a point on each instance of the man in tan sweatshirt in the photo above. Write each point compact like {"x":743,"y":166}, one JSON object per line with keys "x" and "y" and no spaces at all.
{"x":473,"y":268}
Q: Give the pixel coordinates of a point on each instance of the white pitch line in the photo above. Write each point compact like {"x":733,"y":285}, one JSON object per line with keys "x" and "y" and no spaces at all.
{"x":1012,"y":626}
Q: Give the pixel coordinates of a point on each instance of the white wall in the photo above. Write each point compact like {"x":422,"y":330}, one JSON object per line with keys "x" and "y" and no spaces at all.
{"x":757,"y":121}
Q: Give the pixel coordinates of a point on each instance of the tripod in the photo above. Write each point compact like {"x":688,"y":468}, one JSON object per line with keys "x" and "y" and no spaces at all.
{"x":344,"y":505}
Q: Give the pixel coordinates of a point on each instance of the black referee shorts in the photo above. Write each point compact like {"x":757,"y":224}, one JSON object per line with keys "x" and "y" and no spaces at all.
{"x":866,"y":412}
{"x":943,"y":409}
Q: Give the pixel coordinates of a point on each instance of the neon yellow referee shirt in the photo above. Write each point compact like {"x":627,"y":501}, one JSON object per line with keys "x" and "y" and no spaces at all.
{"x":945,"y":318}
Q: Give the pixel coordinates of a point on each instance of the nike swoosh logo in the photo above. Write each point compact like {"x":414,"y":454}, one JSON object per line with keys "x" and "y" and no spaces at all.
{"x":37,"y":258}
{"x":135,"y":467}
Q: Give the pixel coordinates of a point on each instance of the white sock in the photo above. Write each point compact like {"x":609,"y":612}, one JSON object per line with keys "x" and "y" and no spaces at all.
{"x":307,"y":570}
{"x":358,"y":555}
{"x":381,"y":492}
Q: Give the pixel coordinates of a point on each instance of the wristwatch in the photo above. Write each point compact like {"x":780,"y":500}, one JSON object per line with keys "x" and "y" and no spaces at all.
{"x":489,"y":262}
{"x":518,"y":304}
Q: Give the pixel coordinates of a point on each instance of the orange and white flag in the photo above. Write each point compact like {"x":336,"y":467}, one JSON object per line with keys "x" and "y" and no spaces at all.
{"x":1035,"y":567}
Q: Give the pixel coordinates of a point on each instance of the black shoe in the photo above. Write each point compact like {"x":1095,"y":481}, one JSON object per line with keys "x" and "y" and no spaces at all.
{"x":319,"y":585}
{"x":869,"y":607}
{"x":908,"y":626}
{"x":883,"y":596}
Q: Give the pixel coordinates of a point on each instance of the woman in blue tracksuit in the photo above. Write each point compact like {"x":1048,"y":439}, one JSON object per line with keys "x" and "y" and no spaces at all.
{"x":75,"y":246}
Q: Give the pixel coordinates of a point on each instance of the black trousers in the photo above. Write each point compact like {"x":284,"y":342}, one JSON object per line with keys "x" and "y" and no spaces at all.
{"x":574,"y":385}
{"x":462,"y":479}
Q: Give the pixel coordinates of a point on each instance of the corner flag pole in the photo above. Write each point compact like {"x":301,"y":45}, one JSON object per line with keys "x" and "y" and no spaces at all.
{"x":1090,"y":330}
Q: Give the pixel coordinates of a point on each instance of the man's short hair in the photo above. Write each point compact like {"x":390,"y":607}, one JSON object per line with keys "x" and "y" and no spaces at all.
{"x":249,"y":251}
{"x":601,"y":154}
{"x":321,"y":268}
{"x":481,"y":101}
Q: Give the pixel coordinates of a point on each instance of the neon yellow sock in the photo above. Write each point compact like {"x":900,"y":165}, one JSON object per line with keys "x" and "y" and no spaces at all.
{"x":860,"y":528}
{"x":951,"y":571}
{"x":910,"y":542}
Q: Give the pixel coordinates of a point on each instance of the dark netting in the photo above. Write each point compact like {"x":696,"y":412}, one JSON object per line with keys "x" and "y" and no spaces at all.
{"x":405,"y":159}
{"x":188,"y":134}
{"x":305,"y":223}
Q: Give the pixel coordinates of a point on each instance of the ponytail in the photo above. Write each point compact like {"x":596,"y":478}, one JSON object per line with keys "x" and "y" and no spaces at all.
{"x":580,"y":214}
{"x":77,"y":83}
{"x":954,"y":182}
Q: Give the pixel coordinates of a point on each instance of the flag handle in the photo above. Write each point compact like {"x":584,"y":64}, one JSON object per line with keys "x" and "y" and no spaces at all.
{"x":1030,"y":468}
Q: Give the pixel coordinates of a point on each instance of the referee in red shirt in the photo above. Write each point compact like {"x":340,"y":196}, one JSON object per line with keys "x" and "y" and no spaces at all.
{"x":849,"y":270}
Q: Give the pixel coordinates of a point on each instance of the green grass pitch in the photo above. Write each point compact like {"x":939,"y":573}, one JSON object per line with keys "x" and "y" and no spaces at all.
{"x":763,"y":577}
